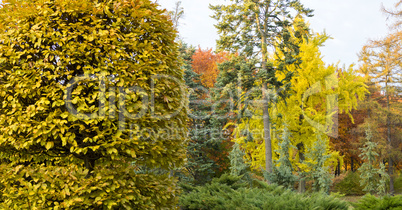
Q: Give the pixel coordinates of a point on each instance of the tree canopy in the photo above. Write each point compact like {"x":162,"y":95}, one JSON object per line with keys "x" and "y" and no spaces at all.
{"x":87,"y":89}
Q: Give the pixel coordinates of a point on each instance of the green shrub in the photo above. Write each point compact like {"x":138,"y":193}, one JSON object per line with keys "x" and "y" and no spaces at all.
{"x":350,"y":185}
{"x":398,"y":184}
{"x":230,"y":192}
{"x":372,"y":202}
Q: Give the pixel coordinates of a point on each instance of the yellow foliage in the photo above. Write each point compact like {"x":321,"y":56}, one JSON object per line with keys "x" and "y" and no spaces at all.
{"x":99,"y":57}
{"x":318,"y":93}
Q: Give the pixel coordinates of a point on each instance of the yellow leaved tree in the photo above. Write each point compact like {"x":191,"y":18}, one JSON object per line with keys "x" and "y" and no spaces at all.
{"x":87,"y":88}
{"x":317,"y":94}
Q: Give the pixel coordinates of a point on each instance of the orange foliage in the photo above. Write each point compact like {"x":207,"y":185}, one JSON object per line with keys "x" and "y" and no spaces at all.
{"x":347,"y":142}
{"x":205,"y":62}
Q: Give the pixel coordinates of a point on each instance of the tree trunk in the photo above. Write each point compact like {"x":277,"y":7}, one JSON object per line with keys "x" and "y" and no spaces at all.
{"x":351,"y":164}
{"x":265,"y":111}
{"x":338,"y":169}
{"x":346,"y":165}
{"x":267,"y":132}
{"x":302,"y":182}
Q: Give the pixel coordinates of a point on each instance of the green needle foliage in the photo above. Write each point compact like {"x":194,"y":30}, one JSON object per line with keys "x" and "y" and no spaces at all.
{"x":250,"y":28}
{"x":200,"y":167}
{"x":282,"y":173}
{"x":237,"y":165}
{"x":372,"y":202}
{"x":230,"y":192}
{"x":320,"y":172}
{"x":75,"y":89}
{"x":372,"y":179}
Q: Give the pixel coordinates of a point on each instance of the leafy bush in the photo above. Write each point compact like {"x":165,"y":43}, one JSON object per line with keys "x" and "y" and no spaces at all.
{"x":398,"y":184}
{"x":372,"y":202}
{"x":55,"y":187}
{"x":75,"y":77}
{"x":229,"y":192}
{"x":350,"y":185}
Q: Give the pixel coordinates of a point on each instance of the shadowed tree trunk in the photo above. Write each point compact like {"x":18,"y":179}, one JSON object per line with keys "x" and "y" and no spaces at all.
{"x":351,"y":164}
{"x":302,"y":182}
{"x":346,"y":165}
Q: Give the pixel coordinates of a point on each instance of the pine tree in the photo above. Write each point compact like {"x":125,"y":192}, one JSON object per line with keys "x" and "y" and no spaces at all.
{"x":384,"y":178}
{"x":237,"y":164}
{"x":282,"y":173}
{"x":206,"y":150}
{"x":198,"y":165}
{"x":319,"y":170}
{"x":368,"y":172}
{"x":249,"y":28}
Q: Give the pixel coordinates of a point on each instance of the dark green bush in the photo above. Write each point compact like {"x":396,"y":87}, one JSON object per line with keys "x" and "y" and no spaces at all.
{"x":398,"y":184}
{"x":374,"y":203}
{"x":350,"y":185}
{"x":231,"y":192}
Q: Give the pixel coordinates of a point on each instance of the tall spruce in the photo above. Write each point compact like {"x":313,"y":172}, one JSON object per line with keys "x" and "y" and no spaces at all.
{"x":206,"y":151}
{"x":372,"y":179}
{"x":249,"y":28}
{"x":319,"y":170}
{"x":237,"y":165}
{"x":282,"y":173}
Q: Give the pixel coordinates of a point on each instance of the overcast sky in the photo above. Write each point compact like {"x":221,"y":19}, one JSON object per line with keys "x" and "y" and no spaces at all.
{"x":350,"y":22}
